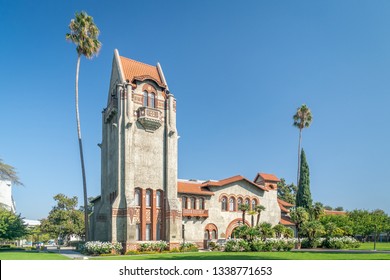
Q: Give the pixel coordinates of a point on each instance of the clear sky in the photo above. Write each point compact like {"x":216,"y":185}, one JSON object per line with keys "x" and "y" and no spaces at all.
{"x":239,"y":70}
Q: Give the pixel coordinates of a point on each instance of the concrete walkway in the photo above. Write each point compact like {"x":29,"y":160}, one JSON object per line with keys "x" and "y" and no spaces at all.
{"x":68,"y":252}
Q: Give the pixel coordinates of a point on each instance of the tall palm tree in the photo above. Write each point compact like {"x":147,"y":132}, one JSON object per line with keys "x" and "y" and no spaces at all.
{"x":302,"y":119}
{"x":259,"y":209}
{"x":84,"y":33}
{"x":243,"y":207}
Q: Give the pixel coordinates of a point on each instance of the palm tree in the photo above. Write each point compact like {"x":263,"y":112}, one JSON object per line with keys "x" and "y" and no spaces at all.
{"x":244,"y":207}
{"x":259,"y":209}
{"x":252,"y":213}
{"x":8,"y":172}
{"x":84,"y":33}
{"x":302,"y":119}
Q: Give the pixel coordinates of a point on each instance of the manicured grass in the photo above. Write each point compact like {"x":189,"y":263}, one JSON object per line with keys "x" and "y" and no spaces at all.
{"x":256,"y":256}
{"x":380,"y":246}
{"x":29,"y":255}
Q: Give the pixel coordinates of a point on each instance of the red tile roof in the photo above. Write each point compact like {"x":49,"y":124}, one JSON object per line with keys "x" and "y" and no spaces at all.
{"x":333,"y":212}
{"x":135,"y":70}
{"x":286,"y":221}
{"x":267,"y":177}
{"x":229,"y":180}
{"x":285,"y":203}
{"x":192,"y":188}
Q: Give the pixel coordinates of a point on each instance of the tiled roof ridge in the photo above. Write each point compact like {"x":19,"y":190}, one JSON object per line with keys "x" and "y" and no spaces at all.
{"x":146,"y":64}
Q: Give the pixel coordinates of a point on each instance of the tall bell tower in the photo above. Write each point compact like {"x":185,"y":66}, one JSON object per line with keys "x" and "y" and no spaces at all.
{"x":138,"y":200}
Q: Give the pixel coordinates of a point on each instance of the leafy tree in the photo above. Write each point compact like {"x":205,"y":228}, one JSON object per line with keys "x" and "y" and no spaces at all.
{"x":339,"y":208}
{"x":12,"y":226}
{"x":243,"y":207}
{"x":299,"y":216}
{"x":287,"y":192}
{"x":316,"y":211}
{"x":327,"y":207}
{"x":336,"y":225}
{"x":367,"y":223}
{"x":288,"y":232}
{"x":312,"y":229}
{"x":84,"y":33}
{"x":64,"y":219}
{"x":279,"y":230}
{"x":35,"y":234}
{"x":259,"y":209}
{"x":302,"y":119}
{"x":266,"y":230}
{"x":8,"y":173}
{"x":303,"y":194}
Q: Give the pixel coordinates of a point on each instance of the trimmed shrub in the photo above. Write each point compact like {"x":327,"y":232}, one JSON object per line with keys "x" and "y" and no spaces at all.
{"x":344,"y":242}
{"x":188,"y":247}
{"x":98,"y":248}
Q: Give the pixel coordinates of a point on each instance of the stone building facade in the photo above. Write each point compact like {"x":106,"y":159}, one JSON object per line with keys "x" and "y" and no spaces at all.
{"x":141,"y":197}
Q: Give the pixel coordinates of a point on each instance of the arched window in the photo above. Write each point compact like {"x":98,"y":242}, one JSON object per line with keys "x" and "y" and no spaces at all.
{"x":148,"y":198}
{"x":239,"y":202}
{"x":158,"y":199}
{"x":254,"y":203}
{"x":193,"y":205}
{"x":145,"y":98}
{"x":183,"y":202}
{"x":247,"y":202}
{"x":151,"y":100}
{"x":232,"y":203}
{"x":224,"y":204}
{"x":206,"y":234}
{"x":201,"y":203}
{"x":137,"y":197}
{"x":214,"y":234}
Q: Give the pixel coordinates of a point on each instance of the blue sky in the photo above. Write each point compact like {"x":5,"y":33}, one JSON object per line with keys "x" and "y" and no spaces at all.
{"x":239,"y":70}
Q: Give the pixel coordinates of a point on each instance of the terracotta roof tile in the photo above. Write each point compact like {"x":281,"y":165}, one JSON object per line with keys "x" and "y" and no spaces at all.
{"x":229,"y":180}
{"x":333,"y":212}
{"x":286,"y":221}
{"x":192,"y":188}
{"x":268,"y":177}
{"x":285,"y":203}
{"x":140,"y":71}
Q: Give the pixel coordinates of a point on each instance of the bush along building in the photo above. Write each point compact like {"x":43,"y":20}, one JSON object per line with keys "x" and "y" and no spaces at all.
{"x":141,"y":197}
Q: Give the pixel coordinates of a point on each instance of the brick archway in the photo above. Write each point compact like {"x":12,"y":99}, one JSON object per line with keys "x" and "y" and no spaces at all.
{"x":233,"y":224}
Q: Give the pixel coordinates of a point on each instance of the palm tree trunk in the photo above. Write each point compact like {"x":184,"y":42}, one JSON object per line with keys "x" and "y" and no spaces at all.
{"x":81,"y":151}
{"x":243,"y":218}
{"x":299,"y":155}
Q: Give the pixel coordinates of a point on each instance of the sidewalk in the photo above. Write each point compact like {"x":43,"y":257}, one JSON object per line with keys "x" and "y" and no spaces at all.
{"x":68,"y":252}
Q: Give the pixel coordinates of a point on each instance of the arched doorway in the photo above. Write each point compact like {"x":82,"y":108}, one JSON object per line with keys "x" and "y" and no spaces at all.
{"x":234,"y":224}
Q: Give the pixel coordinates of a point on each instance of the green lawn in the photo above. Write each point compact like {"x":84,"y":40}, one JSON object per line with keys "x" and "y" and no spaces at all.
{"x":380,"y":246}
{"x":29,"y":255}
{"x":256,"y":256}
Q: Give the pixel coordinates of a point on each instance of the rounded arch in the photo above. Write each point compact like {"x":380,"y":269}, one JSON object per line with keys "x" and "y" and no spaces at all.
{"x":149,"y":88}
{"x":209,"y":228}
{"x":233,"y":224}
{"x":222,"y":195}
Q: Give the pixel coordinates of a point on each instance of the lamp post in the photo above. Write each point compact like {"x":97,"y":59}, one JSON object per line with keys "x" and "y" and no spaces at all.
{"x":375,"y":237}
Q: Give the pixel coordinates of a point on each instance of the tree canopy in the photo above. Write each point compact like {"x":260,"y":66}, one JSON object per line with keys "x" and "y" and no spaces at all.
{"x":64,"y":219}
{"x":12,"y":226}
{"x":287,"y":192}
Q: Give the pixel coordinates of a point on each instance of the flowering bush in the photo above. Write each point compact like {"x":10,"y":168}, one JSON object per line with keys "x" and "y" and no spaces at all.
{"x":98,"y":248}
{"x":258,"y":245}
{"x":153,"y":246}
{"x":344,"y":242}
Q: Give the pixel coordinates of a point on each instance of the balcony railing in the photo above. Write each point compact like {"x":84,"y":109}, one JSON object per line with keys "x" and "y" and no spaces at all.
{"x":195,"y":213}
{"x":150,"y":118}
